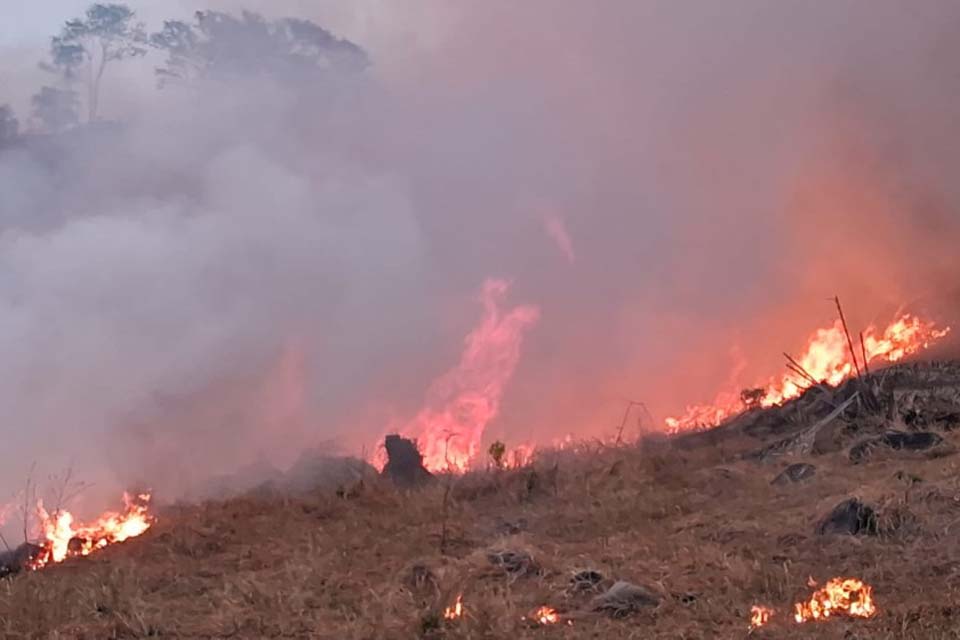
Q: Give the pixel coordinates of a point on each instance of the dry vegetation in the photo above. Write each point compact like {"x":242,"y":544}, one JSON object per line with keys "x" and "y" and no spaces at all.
{"x":689,"y":520}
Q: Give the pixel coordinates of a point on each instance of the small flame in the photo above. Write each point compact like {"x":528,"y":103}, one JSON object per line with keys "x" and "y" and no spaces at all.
{"x":64,"y":538}
{"x":839,"y":597}
{"x":826,"y":358}
{"x":546,"y":615}
{"x":759,"y":616}
{"x":454,"y":611}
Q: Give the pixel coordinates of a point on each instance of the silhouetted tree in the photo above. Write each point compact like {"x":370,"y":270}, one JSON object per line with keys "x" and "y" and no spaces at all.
{"x":221,"y":45}
{"x":55,"y":110}
{"x":107,"y":33}
{"x":9,"y":125}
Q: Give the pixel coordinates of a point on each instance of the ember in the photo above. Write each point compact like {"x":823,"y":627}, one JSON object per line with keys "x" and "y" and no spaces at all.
{"x":839,"y":597}
{"x":546,"y":615}
{"x":64,"y":538}
{"x":454,"y":611}
{"x":759,"y":616}
{"x":826,"y":358}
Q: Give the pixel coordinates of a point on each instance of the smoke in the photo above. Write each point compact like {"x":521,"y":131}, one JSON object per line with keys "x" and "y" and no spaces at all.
{"x":256,"y":268}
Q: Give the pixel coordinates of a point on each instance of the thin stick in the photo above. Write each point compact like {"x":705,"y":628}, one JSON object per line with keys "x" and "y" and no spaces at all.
{"x":623,"y":423}
{"x":26,"y":503}
{"x":4,"y":540}
{"x":843,"y":321}
{"x":863,"y":350}
{"x":801,"y":373}
{"x":799,"y":368}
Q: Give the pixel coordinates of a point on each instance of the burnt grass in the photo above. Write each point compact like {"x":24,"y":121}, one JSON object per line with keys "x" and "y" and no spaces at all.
{"x":697,"y":525}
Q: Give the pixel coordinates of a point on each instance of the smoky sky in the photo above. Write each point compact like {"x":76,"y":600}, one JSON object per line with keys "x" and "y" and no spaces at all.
{"x":679,"y":187}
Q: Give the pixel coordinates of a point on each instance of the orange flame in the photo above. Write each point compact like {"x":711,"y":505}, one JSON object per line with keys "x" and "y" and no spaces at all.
{"x":63,"y":538}
{"x":546,"y":615}
{"x":839,"y":597}
{"x":759,"y":616}
{"x":461,"y":403}
{"x":455,"y":610}
{"x":826,"y":358}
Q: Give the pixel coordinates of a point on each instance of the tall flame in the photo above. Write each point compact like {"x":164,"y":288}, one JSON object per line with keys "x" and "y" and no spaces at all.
{"x":64,"y":538}
{"x":826,"y":358}
{"x":461,"y":402}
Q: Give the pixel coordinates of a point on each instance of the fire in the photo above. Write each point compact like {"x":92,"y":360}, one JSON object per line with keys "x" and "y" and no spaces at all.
{"x":546,"y":615}
{"x":826,"y":358}
{"x":465,"y":399}
{"x":839,"y":597}
{"x":759,"y":616}
{"x":455,"y":610}
{"x":64,"y":538}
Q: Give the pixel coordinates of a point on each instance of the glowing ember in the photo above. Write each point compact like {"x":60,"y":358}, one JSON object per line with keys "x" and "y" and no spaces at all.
{"x":759,"y":616}
{"x":546,"y":615}
{"x":64,"y":538}
{"x":461,"y":403}
{"x":826,"y":358}
{"x":839,"y":597}
{"x":454,"y":611}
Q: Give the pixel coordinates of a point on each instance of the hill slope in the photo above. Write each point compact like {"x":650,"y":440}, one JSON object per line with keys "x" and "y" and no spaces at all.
{"x":694,"y":520}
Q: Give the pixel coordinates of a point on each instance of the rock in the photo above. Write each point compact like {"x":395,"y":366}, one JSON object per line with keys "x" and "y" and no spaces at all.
{"x":624,"y":598}
{"x":898,"y":440}
{"x":850,"y":517}
{"x":586,"y":581}
{"x":909,"y":478}
{"x":510,"y":527}
{"x":795,"y":473}
{"x":420,"y":579}
{"x":404,"y":462}
{"x":515,"y":563}
{"x":912,"y":441}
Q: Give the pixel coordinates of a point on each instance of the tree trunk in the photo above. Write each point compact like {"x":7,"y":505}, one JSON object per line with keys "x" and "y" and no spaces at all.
{"x":95,"y":84}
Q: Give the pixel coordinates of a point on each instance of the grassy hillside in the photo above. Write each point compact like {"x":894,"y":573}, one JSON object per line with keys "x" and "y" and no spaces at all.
{"x":691,"y":520}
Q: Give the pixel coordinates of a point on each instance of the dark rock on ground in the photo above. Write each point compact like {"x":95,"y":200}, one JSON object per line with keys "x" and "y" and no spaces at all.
{"x":510,"y":527}
{"x":404,"y":462}
{"x":624,"y":598}
{"x":909,"y":478}
{"x":897,"y":440}
{"x":587,"y":581}
{"x":850,"y":517}
{"x":515,"y":563}
{"x":912,"y":441}
{"x":795,"y":473}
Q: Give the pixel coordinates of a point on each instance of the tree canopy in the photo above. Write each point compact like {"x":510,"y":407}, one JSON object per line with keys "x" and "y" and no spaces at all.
{"x":107,"y":33}
{"x":221,"y":45}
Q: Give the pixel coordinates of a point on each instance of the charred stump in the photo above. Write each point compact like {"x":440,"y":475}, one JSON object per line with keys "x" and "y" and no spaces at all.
{"x":404,"y":462}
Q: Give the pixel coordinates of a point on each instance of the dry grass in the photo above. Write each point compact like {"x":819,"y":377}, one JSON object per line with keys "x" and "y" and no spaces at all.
{"x":698,"y":526}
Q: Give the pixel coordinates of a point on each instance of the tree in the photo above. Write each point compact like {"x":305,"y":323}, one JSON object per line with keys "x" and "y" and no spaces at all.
{"x":221,"y":45}
{"x":9,"y":125}
{"x":56,"y":109}
{"x":106,"y":34}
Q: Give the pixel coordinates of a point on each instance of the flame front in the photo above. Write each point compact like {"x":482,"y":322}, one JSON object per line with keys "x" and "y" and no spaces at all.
{"x":839,"y":597}
{"x":759,"y":616}
{"x":826,"y":358}
{"x":460,"y":404}
{"x":64,"y":538}
{"x":455,"y":610}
